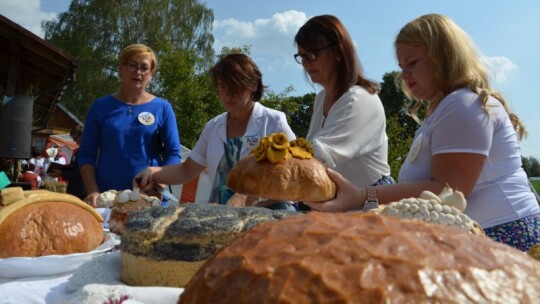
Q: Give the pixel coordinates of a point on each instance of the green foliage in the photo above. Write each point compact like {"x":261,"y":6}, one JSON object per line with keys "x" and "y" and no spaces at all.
{"x":400,"y":127}
{"x":95,"y":31}
{"x":245,"y":49}
{"x":193,"y":98}
{"x":536,"y":185}
{"x":297,"y":109}
{"x":531,"y":166}
{"x":300,"y":119}
{"x":399,"y":142}
{"x":53,"y":186}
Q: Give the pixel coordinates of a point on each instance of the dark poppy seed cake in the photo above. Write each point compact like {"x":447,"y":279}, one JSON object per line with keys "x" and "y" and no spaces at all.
{"x":165,"y":246}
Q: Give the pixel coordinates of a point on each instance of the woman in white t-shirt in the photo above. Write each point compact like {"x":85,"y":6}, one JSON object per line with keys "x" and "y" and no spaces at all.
{"x":469,"y":139}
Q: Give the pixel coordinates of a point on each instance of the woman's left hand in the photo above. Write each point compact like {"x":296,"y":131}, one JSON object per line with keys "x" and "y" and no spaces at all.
{"x":348,"y":196}
{"x":237,"y":200}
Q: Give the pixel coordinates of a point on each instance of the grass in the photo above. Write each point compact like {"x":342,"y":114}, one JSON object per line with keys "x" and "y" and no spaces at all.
{"x":536,"y":185}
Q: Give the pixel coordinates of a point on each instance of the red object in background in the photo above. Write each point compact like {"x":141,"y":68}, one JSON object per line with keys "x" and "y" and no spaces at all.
{"x":189,"y":190}
{"x":29,"y":177}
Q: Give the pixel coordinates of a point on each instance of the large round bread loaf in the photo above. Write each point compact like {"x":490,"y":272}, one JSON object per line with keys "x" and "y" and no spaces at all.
{"x":164,"y":246}
{"x":363,"y":258}
{"x":291,"y":179}
{"x":48,"y":223}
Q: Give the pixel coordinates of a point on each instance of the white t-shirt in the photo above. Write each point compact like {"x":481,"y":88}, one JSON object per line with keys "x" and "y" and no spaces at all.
{"x":460,"y":125}
{"x":40,"y":164}
{"x":352,"y":139}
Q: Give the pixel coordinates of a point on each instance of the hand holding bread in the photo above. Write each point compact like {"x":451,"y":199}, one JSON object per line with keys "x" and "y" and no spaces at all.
{"x":281,"y":170}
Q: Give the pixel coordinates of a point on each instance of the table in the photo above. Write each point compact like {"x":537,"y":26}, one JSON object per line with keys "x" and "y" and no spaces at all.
{"x":83,"y":286}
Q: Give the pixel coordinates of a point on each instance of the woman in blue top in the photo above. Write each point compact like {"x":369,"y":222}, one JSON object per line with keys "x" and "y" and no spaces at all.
{"x":121,"y":129}
{"x":229,"y":136}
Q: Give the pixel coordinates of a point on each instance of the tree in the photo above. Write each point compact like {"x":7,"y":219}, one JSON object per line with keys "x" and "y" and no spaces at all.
{"x":297,"y":109}
{"x":95,"y":31}
{"x":400,"y":127}
{"x":193,"y":98}
{"x":300,"y":119}
{"x":531,"y":166}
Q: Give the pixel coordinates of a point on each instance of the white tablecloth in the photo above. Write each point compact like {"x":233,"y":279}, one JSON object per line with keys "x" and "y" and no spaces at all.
{"x":81,"y":286}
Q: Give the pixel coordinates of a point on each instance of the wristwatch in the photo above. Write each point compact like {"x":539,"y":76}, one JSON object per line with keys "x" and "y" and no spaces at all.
{"x":372,"y":201}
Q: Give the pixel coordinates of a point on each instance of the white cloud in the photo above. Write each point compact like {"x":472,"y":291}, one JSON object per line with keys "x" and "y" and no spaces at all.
{"x":26,"y":13}
{"x":499,"y":67}
{"x":267,"y":37}
{"x":271,"y":44}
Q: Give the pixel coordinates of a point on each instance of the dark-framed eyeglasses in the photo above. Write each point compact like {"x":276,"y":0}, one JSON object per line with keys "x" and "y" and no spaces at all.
{"x":311,"y":55}
{"x":133,"y":67}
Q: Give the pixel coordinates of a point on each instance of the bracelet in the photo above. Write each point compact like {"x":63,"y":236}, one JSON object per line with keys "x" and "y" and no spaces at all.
{"x":372,"y":201}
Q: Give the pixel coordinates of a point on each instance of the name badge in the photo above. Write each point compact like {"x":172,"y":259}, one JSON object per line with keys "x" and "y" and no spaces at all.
{"x":251,"y":141}
{"x":146,"y":118}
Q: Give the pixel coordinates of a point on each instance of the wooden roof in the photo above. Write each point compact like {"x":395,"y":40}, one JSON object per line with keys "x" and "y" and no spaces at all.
{"x":32,"y":66}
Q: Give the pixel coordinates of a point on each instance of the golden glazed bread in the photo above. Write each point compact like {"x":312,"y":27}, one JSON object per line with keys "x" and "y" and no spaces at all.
{"x":292,"y":179}
{"x":363,"y":258}
{"x":164,"y":246}
{"x":47,"y":223}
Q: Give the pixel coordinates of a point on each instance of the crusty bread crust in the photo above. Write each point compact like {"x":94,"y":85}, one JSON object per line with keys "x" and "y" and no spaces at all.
{"x":145,"y":271}
{"x":354,"y":257}
{"x":49,"y":227}
{"x":292,"y":179}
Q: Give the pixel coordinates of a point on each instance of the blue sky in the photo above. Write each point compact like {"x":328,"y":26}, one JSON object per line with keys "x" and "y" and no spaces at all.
{"x":507,"y":32}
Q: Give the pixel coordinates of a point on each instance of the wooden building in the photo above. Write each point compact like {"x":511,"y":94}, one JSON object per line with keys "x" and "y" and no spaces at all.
{"x":31,"y":66}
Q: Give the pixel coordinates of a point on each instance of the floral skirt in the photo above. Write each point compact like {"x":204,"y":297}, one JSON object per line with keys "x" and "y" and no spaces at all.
{"x":521,"y":234}
{"x":385,"y":180}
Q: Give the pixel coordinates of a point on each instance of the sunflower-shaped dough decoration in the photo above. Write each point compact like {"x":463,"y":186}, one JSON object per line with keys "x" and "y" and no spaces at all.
{"x":276,"y":147}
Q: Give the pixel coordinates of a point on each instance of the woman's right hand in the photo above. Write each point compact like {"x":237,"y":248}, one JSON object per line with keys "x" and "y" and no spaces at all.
{"x":143,"y":180}
{"x":91,"y":199}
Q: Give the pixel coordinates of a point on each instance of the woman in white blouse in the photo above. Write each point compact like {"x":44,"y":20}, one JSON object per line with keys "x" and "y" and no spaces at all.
{"x":348,"y":124}
{"x":229,"y":136}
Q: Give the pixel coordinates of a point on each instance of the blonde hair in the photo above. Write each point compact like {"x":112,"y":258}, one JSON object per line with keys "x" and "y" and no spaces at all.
{"x":455,"y":59}
{"x":133,"y":50}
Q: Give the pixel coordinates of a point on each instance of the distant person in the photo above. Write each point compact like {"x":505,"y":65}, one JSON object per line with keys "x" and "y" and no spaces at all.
{"x":121,"y":129}
{"x":39,"y":160}
{"x":29,"y":176}
{"x":72,"y":173}
{"x":35,"y":154}
{"x":469,"y":139}
{"x":230,"y":136}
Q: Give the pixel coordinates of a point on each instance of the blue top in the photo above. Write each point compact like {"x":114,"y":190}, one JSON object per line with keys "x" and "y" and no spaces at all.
{"x":118,"y":140}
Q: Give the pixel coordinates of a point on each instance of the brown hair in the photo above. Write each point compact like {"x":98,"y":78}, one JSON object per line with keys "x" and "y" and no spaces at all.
{"x":133,"y":50}
{"x":238,"y":72}
{"x":455,"y":59}
{"x":76,"y":131}
{"x":325,"y":30}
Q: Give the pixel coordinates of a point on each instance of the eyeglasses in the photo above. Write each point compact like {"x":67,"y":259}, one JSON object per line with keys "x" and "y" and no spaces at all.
{"x":133,"y":67}
{"x":310,"y":55}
